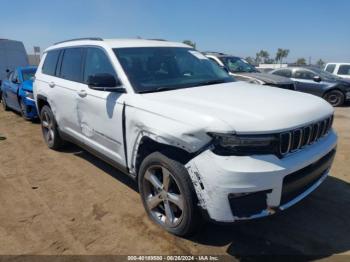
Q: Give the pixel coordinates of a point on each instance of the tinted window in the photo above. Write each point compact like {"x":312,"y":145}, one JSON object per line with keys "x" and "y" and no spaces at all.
{"x":283,"y":72}
{"x":50,"y":63}
{"x":304,"y":74}
{"x":344,"y":70}
{"x":28,"y":74}
{"x":97,"y":62}
{"x":330,"y":68}
{"x":71,"y":64}
{"x":154,"y":69}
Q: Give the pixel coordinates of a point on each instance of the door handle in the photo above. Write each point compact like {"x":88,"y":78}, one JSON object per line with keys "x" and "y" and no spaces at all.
{"x":82,"y":93}
{"x":52,"y":84}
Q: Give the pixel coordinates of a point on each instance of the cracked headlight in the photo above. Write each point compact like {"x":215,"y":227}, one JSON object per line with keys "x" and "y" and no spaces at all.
{"x":233,"y":144}
{"x":29,"y":94}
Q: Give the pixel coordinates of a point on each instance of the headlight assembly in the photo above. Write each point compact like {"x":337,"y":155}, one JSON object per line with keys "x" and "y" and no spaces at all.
{"x":29,"y":94}
{"x":233,"y":144}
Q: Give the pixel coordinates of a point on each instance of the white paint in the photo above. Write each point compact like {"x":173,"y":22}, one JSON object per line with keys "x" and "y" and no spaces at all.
{"x":182,"y":118}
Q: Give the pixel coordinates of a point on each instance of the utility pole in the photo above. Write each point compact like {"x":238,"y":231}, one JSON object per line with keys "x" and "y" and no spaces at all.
{"x":309,"y":60}
{"x":37,"y":54}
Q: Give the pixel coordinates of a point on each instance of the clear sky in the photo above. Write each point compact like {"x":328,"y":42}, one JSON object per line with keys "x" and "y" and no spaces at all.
{"x":316,"y":28}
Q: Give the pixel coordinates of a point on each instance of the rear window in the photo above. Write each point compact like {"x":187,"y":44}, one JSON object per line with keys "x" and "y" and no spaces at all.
{"x":72,"y":64}
{"x":49,"y":67}
{"x":344,"y":70}
{"x":283,"y":72}
{"x":330,"y":68}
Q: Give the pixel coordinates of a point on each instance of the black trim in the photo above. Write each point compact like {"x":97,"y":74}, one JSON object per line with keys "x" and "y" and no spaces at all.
{"x":124,"y":137}
{"x":94,"y":152}
{"x":41,"y":97}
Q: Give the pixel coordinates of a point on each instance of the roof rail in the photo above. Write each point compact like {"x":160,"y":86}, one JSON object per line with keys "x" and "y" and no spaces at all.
{"x":213,"y":52}
{"x":80,"y":39}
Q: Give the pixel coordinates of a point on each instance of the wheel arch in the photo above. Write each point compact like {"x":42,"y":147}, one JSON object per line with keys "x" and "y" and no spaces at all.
{"x":41,"y":101}
{"x":148,"y":145}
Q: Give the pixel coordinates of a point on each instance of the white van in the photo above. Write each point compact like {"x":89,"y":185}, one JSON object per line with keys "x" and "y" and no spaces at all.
{"x":12,"y":55}
{"x":339,"y":69}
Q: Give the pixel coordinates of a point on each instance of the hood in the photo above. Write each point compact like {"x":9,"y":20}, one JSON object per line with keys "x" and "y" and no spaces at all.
{"x":237,"y":106}
{"x":27,"y":85}
{"x":267,"y":78}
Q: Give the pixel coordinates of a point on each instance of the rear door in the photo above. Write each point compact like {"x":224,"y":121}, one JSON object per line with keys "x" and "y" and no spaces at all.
{"x":100,"y":112}
{"x":64,"y":90}
{"x":12,"y":91}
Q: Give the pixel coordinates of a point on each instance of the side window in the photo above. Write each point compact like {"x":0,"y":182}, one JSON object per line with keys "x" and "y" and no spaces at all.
{"x":72,"y":64}
{"x":330,"y":68}
{"x":344,"y":70}
{"x":97,"y":62}
{"x":304,"y":74}
{"x":15,"y":78}
{"x":283,"y":72}
{"x":50,"y":63}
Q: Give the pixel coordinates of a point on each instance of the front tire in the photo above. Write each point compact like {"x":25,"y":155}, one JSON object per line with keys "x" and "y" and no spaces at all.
{"x":168,"y":195}
{"x":335,"y":97}
{"x":23,"y":110}
{"x":50,"y":129}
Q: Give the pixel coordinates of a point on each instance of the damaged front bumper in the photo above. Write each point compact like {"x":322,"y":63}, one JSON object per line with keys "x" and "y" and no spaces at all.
{"x":232,"y":188}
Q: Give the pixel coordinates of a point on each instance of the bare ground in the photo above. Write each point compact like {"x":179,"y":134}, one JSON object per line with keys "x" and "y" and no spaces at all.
{"x":70,"y":202}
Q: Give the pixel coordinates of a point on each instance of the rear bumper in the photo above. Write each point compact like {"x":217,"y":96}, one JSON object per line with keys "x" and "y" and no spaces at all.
{"x":245,"y":187}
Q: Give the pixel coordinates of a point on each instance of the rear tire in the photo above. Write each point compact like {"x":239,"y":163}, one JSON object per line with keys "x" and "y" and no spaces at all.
{"x":168,"y":195}
{"x":50,"y":129}
{"x":3,"y":101}
{"x":335,"y":97}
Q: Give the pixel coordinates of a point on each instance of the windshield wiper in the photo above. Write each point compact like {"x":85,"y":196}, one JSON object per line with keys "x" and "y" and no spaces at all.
{"x":158,"y":89}
{"x":210,"y":82}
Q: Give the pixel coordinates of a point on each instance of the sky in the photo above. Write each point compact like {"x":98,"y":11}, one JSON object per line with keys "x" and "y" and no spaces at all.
{"x":308,"y":28}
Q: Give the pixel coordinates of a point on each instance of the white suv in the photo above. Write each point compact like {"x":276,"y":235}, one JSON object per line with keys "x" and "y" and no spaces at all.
{"x":340,"y":69}
{"x":198,"y":143}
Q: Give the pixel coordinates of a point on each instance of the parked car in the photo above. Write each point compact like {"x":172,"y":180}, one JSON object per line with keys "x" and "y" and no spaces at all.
{"x":339,"y":69}
{"x":17,"y":92}
{"x":12,"y":55}
{"x":318,"y":82}
{"x":242,"y":70}
{"x":199,"y":143}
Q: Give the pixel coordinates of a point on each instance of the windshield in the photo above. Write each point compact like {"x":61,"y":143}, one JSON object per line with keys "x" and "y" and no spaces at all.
{"x":325,"y":75}
{"x":28,"y":74}
{"x":238,"y":65}
{"x":153,"y":69}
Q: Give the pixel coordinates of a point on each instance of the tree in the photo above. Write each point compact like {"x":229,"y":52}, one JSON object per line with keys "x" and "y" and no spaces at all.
{"x":281,"y":53}
{"x":257,"y":59}
{"x":320,"y":63}
{"x":189,"y":42}
{"x":264,"y":55}
{"x":250,"y":60}
{"x":301,"y":61}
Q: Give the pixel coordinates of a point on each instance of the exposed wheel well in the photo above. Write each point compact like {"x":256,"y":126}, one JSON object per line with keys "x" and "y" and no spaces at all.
{"x":148,"y":146}
{"x":41,"y":102}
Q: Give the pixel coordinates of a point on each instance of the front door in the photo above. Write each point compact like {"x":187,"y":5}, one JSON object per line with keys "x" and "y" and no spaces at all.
{"x":100,"y":113}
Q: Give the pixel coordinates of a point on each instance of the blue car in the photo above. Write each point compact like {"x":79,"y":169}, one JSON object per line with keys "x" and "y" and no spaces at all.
{"x":17,"y":92}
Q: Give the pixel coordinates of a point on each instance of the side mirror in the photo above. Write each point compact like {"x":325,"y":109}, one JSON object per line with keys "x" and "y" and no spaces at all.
{"x":105,"y":82}
{"x":317,"y":79}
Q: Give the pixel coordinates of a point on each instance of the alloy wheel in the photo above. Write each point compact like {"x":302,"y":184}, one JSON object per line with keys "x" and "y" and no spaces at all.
{"x":163,"y":196}
{"x":47,"y":125}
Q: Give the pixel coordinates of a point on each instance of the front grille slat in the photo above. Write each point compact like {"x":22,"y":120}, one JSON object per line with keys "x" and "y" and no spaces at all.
{"x":293,"y":140}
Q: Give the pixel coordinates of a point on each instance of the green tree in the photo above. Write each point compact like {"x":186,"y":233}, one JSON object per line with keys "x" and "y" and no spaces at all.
{"x":281,"y":53}
{"x":250,"y":60}
{"x":189,"y":42}
{"x":301,"y":61}
{"x":320,"y":63}
{"x":264,"y":55}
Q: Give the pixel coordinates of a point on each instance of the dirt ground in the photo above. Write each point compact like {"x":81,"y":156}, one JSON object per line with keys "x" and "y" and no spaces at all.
{"x":70,"y":202}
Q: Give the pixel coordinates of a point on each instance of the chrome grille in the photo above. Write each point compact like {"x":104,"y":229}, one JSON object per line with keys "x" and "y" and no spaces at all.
{"x":293,"y":140}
